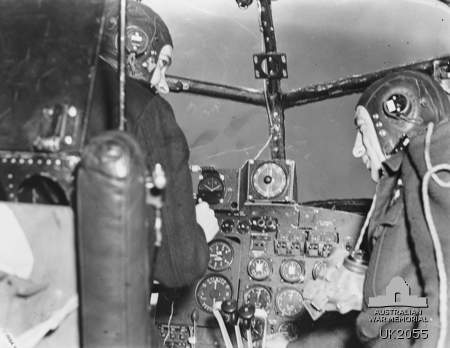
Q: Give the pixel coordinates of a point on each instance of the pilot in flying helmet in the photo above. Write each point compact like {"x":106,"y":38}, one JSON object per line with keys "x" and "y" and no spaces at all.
{"x":401,"y":120}
{"x":399,"y":107}
{"x":403,"y":131}
{"x":148,"y":44}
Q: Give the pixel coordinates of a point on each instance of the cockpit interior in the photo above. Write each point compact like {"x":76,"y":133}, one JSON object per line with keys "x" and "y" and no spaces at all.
{"x":272,"y":159}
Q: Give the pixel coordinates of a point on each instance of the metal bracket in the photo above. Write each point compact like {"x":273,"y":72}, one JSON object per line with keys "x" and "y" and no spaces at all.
{"x":58,"y":128}
{"x":270,"y":65}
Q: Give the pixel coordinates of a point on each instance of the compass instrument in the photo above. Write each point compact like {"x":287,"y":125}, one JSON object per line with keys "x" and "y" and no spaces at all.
{"x":272,"y":180}
{"x":269,"y":180}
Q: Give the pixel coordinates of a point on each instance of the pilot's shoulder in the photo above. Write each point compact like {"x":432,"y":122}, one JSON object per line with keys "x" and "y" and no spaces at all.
{"x":162,"y":105}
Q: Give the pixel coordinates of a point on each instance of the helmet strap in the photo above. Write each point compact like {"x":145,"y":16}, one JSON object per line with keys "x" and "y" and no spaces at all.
{"x":402,"y":144}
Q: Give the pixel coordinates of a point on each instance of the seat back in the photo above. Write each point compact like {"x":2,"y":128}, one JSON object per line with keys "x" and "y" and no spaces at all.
{"x":113,"y":244}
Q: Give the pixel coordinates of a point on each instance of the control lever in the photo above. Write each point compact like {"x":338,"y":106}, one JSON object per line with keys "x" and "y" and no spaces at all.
{"x":230,"y":315}
{"x":223,"y":329}
{"x":229,"y":312}
{"x":246,"y":314}
{"x":194,"y":317}
{"x":262,"y":314}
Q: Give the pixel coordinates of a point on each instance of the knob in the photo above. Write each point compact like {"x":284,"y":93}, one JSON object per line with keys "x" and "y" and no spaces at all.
{"x":243,"y":226}
{"x":229,"y":312}
{"x":247,"y":313}
{"x":227,"y":226}
{"x":195,"y":316}
{"x":271,"y":224}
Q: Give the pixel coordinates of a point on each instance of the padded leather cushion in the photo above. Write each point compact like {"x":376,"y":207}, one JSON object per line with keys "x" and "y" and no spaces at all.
{"x":113,"y":243}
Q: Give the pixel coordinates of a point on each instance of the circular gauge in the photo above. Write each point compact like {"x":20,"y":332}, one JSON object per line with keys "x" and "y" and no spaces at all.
{"x":212,"y":289}
{"x":269,"y":180}
{"x":292,"y":271}
{"x":211,"y":188}
{"x":258,"y":296}
{"x":259,"y":268}
{"x":220,"y":255}
{"x":289,"y":302}
{"x":319,"y":270}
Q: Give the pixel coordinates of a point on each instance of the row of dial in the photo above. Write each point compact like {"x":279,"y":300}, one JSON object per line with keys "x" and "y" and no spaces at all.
{"x":221,"y":255}
{"x":291,"y":270}
{"x":217,"y":288}
{"x":288,"y":301}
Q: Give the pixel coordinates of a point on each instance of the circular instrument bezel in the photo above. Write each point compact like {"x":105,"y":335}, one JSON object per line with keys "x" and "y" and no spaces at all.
{"x":280,"y":307}
{"x":263,"y":289}
{"x":253,"y":262}
{"x":229,"y":246}
{"x":206,"y":307}
{"x":279,"y":180}
{"x":299,"y":276}
{"x":211,"y":188}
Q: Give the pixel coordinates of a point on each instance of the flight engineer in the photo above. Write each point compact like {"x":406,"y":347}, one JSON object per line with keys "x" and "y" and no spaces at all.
{"x":402,"y":133}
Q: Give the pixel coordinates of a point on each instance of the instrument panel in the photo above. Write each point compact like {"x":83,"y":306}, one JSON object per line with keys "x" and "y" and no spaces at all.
{"x":263,"y":254}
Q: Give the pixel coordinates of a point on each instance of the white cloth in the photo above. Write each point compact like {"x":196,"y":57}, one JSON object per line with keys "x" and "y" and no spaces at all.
{"x":16,"y":257}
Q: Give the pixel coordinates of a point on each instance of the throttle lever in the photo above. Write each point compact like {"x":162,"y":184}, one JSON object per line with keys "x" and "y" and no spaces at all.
{"x":230,"y":315}
{"x":246,"y":314}
{"x":223,"y":329}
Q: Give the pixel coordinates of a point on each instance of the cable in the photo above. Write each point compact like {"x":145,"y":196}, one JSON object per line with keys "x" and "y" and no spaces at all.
{"x":263,"y":148}
{"x":439,"y":255}
{"x":430,"y":129}
{"x":168,"y":323}
{"x":366,"y":223}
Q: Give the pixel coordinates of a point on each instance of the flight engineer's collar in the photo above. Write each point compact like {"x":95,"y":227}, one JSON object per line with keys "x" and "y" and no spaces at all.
{"x":393,"y":163}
